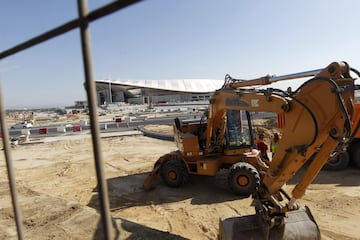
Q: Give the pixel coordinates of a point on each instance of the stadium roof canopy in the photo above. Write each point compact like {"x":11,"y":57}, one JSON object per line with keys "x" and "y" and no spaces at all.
{"x":175,"y":85}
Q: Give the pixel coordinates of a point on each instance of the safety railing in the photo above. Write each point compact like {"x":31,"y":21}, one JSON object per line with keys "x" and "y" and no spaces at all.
{"x":82,"y":22}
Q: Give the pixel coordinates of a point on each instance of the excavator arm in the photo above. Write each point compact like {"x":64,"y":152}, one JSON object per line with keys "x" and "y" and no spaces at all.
{"x":319,"y":117}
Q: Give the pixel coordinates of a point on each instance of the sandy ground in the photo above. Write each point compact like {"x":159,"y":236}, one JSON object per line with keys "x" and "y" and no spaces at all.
{"x":58,"y":195}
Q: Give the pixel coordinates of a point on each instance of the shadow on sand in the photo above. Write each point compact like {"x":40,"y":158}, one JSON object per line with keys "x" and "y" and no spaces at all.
{"x":127,"y":191}
{"x":127,"y":230}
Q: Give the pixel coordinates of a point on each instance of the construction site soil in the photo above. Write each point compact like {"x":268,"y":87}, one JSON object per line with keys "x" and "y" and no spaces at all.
{"x":58,"y":196}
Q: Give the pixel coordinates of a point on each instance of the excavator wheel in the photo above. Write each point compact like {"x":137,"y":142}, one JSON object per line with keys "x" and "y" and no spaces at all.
{"x":338,"y":161}
{"x":174,"y":173}
{"x":243,"y":179}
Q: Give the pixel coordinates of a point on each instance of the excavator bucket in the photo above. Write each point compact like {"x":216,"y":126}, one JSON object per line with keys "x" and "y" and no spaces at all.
{"x":155,"y":173}
{"x":299,"y":225}
{"x":153,"y":176}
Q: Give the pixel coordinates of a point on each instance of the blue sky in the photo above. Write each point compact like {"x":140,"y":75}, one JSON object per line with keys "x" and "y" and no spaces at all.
{"x":172,"y":39}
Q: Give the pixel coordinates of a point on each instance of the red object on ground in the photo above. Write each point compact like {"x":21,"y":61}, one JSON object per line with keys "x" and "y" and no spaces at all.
{"x":43,"y":131}
{"x":77,"y":128}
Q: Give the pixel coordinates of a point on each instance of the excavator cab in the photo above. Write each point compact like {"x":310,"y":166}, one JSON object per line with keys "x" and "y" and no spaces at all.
{"x":233,"y":135}
{"x":238,"y":133}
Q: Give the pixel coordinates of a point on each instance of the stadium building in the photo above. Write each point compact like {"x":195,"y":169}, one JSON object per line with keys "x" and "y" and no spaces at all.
{"x":155,"y":91}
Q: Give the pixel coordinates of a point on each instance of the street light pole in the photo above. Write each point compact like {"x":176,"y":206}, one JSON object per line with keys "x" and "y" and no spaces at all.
{"x":110,"y":95}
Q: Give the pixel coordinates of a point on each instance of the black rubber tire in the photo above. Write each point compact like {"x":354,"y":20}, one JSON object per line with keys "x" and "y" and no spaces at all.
{"x":355,"y":153}
{"x":174,"y":173}
{"x":338,"y":162}
{"x":243,"y":179}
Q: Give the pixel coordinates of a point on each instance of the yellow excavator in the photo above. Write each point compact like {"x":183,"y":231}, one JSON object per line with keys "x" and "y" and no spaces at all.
{"x":319,"y":117}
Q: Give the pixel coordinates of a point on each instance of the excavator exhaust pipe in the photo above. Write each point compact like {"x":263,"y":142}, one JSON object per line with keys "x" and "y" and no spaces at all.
{"x":299,"y":225}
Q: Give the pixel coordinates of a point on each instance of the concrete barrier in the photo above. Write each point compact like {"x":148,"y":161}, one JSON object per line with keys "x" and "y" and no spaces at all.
{"x":83,"y":123}
{"x":103,"y":126}
{"x":157,"y":135}
{"x":25,"y":132}
{"x":61,"y":129}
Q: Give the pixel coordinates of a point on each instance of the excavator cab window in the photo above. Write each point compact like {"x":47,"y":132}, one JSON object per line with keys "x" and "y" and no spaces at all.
{"x":238,"y":129}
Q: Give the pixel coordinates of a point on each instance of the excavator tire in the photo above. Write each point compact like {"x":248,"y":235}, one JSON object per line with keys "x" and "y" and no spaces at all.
{"x":243,"y":179}
{"x":339,"y":161}
{"x":174,"y":173}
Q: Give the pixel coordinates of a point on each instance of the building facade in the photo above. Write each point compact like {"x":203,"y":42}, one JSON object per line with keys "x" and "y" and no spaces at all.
{"x":155,"y":91}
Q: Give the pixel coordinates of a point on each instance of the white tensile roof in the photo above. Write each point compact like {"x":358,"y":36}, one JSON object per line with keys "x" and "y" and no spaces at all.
{"x":176,"y":85}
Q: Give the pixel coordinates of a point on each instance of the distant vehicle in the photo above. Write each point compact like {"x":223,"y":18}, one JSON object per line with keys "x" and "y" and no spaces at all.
{"x":117,"y":119}
{"x":61,"y":111}
{"x":22,"y":125}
